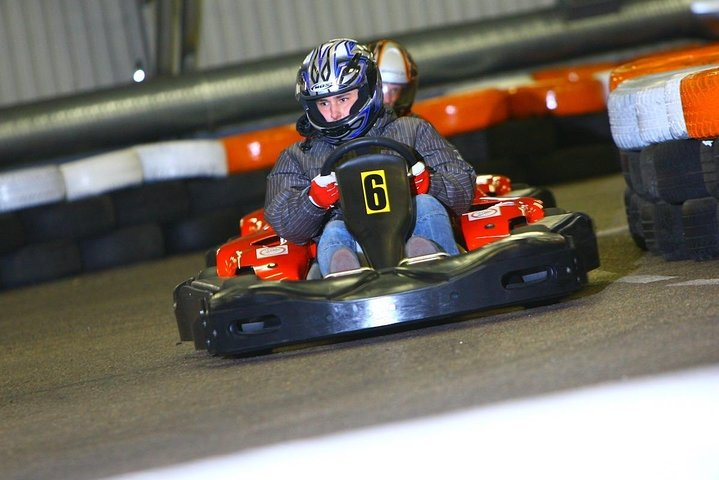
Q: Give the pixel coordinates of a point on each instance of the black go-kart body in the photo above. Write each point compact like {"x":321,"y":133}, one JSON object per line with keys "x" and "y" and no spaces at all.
{"x":258,"y":296}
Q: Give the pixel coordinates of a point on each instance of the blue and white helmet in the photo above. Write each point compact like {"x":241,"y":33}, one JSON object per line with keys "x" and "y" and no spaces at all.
{"x":336,"y":67}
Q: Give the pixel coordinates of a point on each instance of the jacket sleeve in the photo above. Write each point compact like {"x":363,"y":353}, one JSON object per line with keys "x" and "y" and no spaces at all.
{"x":452,"y":179}
{"x":288,"y":208}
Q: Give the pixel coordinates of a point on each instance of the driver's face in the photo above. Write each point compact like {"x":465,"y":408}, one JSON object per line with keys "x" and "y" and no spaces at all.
{"x":391,"y":92}
{"x":338,"y":106}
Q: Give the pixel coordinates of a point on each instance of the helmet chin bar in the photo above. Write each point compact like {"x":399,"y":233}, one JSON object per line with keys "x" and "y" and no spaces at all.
{"x":337,"y":129}
{"x":348,"y":128}
{"x":337,"y":132}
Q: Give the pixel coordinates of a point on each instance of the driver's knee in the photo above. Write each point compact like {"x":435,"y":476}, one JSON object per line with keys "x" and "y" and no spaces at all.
{"x":427,"y":204}
{"x":433,"y":223}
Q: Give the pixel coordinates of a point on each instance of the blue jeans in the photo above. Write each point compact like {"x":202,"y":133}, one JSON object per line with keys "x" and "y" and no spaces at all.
{"x":432,"y":222}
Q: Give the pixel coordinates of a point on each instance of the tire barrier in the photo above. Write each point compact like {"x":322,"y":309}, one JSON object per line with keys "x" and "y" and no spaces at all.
{"x":12,"y":234}
{"x":40,"y":262}
{"x":150,"y":200}
{"x":68,"y":220}
{"x":122,"y":226}
{"x":671,"y":199}
{"x":663,"y":116}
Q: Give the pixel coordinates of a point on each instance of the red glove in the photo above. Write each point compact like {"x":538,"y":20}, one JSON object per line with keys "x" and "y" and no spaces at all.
{"x":323,"y":191}
{"x":421,"y":178}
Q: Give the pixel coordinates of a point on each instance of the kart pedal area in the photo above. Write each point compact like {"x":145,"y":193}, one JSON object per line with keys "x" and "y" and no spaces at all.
{"x":422,"y":258}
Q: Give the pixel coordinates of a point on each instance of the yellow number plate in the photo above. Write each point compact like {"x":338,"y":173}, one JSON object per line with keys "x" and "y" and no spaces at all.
{"x":374,"y":187}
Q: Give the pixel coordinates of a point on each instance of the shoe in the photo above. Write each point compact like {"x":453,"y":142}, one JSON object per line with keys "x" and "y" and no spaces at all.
{"x":419,"y":246}
{"x":343,"y":259}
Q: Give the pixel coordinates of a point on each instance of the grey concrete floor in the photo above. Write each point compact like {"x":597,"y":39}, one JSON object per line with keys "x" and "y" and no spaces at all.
{"x":95,"y":383}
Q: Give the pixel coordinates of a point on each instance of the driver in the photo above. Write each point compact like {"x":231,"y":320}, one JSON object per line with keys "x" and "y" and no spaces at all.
{"x":340,"y":90}
{"x":399,"y":75}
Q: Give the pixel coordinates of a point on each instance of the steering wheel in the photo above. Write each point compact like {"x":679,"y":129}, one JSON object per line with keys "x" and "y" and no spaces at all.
{"x":375,"y":196}
{"x":403,"y":150}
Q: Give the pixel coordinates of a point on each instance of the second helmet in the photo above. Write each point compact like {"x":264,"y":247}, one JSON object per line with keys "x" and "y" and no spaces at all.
{"x":397,"y":67}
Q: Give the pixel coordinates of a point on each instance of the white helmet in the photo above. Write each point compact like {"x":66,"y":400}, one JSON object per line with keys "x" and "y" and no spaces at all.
{"x":397,"y":66}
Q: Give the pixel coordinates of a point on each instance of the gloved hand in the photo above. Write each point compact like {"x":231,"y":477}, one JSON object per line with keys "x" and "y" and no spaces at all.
{"x":421,"y":178}
{"x":323,"y":191}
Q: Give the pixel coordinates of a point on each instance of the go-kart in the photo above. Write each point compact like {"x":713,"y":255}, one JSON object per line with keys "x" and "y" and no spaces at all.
{"x":264,"y":292}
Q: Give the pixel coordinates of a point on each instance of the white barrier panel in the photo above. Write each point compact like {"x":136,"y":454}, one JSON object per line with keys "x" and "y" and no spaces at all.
{"x":29,"y":187}
{"x":101,"y":173}
{"x":182,"y":159}
{"x":658,"y":428}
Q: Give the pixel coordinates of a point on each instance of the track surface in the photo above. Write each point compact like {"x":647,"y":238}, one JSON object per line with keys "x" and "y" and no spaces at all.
{"x":94,"y":382}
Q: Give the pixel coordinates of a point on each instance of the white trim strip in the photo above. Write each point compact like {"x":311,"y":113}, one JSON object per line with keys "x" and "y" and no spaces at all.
{"x":660,"y":428}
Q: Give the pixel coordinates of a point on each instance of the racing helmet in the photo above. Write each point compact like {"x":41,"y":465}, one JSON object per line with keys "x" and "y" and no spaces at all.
{"x":335,"y":67}
{"x":397,"y":66}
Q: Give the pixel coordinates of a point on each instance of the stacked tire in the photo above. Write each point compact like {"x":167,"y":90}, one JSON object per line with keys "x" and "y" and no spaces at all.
{"x":664,"y":119}
{"x":119,"y":208}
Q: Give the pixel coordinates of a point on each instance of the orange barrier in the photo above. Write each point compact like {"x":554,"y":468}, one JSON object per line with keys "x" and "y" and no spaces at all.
{"x":258,"y":149}
{"x":665,"y":61}
{"x":700,"y":103}
{"x":450,"y":115}
{"x":557,"y":97}
{"x":465,"y":111}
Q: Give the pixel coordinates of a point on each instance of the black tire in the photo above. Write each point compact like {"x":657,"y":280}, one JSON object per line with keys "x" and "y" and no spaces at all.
{"x":474,"y":148}
{"x":12,"y":234}
{"x":127,"y":245}
{"x":241,"y":190}
{"x":572,"y":163}
{"x":672,"y":171}
{"x":68,"y":220}
{"x":632,"y":207}
{"x":627,"y":158}
{"x":203,"y":231}
{"x":647,"y":174}
{"x":709,"y":159}
{"x":152,"y":202}
{"x":40,"y":262}
{"x":701,"y":231}
{"x":669,"y":231}
{"x":522,"y":138}
{"x":646,"y":220}
{"x":634,"y":167}
{"x":583,"y":129}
